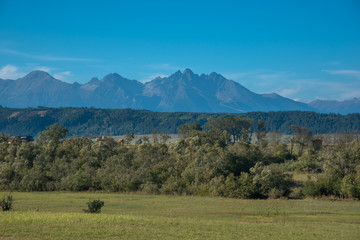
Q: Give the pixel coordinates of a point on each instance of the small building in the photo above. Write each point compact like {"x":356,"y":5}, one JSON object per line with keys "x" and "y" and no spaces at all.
{"x":21,"y":138}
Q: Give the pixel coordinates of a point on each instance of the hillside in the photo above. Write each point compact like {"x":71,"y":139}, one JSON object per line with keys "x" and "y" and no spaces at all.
{"x":93,"y":121}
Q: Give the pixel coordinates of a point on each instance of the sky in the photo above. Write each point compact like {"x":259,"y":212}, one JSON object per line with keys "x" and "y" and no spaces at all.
{"x":303,"y":50}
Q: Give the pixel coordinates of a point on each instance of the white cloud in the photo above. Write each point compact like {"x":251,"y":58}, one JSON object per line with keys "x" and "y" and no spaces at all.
{"x":291,"y":85}
{"x":63,"y":76}
{"x":152,"y":76}
{"x":353,"y":73}
{"x":10,"y":72}
{"x":43,"y":68}
{"x":236,"y":76}
{"x":287,"y":92}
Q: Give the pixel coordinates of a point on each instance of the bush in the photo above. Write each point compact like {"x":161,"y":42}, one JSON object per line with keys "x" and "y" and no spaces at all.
{"x":307,"y":163}
{"x":247,"y":188}
{"x":311,"y":189}
{"x":350,"y":186}
{"x":326,"y":185}
{"x":272,"y":179}
{"x":94,"y":206}
{"x":6,"y":203}
{"x":296,"y":193}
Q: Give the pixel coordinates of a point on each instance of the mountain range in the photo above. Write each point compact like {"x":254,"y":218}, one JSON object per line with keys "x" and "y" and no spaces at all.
{"x":180,"y":92}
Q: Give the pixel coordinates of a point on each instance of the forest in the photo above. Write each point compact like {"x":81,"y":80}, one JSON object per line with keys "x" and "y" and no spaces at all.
{"x":218,"y":160}
{"x":113,"y":122}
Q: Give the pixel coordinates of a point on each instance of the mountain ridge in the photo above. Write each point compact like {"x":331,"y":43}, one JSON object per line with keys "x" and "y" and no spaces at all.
{"x":345,"y":106}
{"x":179,"y":92}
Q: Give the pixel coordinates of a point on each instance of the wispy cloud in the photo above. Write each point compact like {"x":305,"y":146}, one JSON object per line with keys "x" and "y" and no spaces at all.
{"x":10,"y":72}
{"x":152,"y":76}
{"x":44,"y":69}
{"x":351,"y":94}
{"x":63,"y":76}
{"x":305,"y":89}
{"x":353,"y":73}
{"x":334,"y":63}
{"x":287,"y":92}
{"x":46,"y":57}
{"x":236,"y":76}
{"x":158,"y":70}
{"x":13,"y":72}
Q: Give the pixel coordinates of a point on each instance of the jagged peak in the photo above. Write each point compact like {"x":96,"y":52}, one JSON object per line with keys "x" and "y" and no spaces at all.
{"x":178,"y":72}
{"x":188,"y":71}
{"x":94,"y":80}
{"x":215,"y":74}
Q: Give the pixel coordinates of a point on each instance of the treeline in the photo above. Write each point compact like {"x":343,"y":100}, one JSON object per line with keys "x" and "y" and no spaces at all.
{"x":95,"y":122}
{"x":219,"y":161}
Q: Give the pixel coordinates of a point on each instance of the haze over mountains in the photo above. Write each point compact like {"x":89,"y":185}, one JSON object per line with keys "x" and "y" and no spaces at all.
{"x":181,"y":91}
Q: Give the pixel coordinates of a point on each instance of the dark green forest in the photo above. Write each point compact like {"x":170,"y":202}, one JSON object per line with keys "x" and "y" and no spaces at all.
{"x":110,"y":122}
{"x":216,"y":161}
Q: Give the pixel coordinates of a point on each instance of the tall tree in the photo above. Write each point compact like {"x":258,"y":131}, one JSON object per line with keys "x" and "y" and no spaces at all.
{"x":187,"y":129}
{"x":261,"y":133}
{"x":301,"y":136}
{"x":53,"y":133}
{"x":238,"y":128}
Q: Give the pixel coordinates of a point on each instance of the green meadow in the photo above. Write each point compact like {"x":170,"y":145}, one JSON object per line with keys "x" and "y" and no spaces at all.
{"x":59,"y":215}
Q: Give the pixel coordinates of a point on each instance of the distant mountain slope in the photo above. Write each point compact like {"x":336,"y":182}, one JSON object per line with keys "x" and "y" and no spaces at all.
{"x":38,"y":88}
{"x":113,"y":91}
{"x":332,"y":106}
{"x":211,"y":93}
{"x":181,"y":91}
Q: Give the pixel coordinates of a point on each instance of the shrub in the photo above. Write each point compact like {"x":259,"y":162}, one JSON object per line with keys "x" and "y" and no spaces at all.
{"x":350,"y":186}
{"x":94,"y":206}
{"x":247,"y":188}
{"x":149,"y":188}
{"x":326,"y":185}
{"x":311,"y":189}
{"x":6,"y":203}
{"x":272,"y":178}
{"x":296,"y":193}
{"x":307,"y":163}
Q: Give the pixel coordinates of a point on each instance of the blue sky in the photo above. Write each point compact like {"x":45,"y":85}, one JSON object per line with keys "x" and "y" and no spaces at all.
{"x":300,"y":49}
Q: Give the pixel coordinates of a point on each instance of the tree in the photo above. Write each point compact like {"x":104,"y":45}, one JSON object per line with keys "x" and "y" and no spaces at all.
{"x":301,"y":136}
{"x":129,"y":137}
{"x":274,"y":137}
{"x":53,"y":133}
{"x":155,"y":135}
{"x":342,"y":159}
{"x":238,"y":128}
{"x":187,"y":129}
{"x":4,"y":138}
{"x":272,"y":180}
{"x":261,"y":133}
{"x":164,"y":137}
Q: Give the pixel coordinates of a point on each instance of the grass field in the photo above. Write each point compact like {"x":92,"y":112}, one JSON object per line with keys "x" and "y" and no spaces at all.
{"x":56,"y":215}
